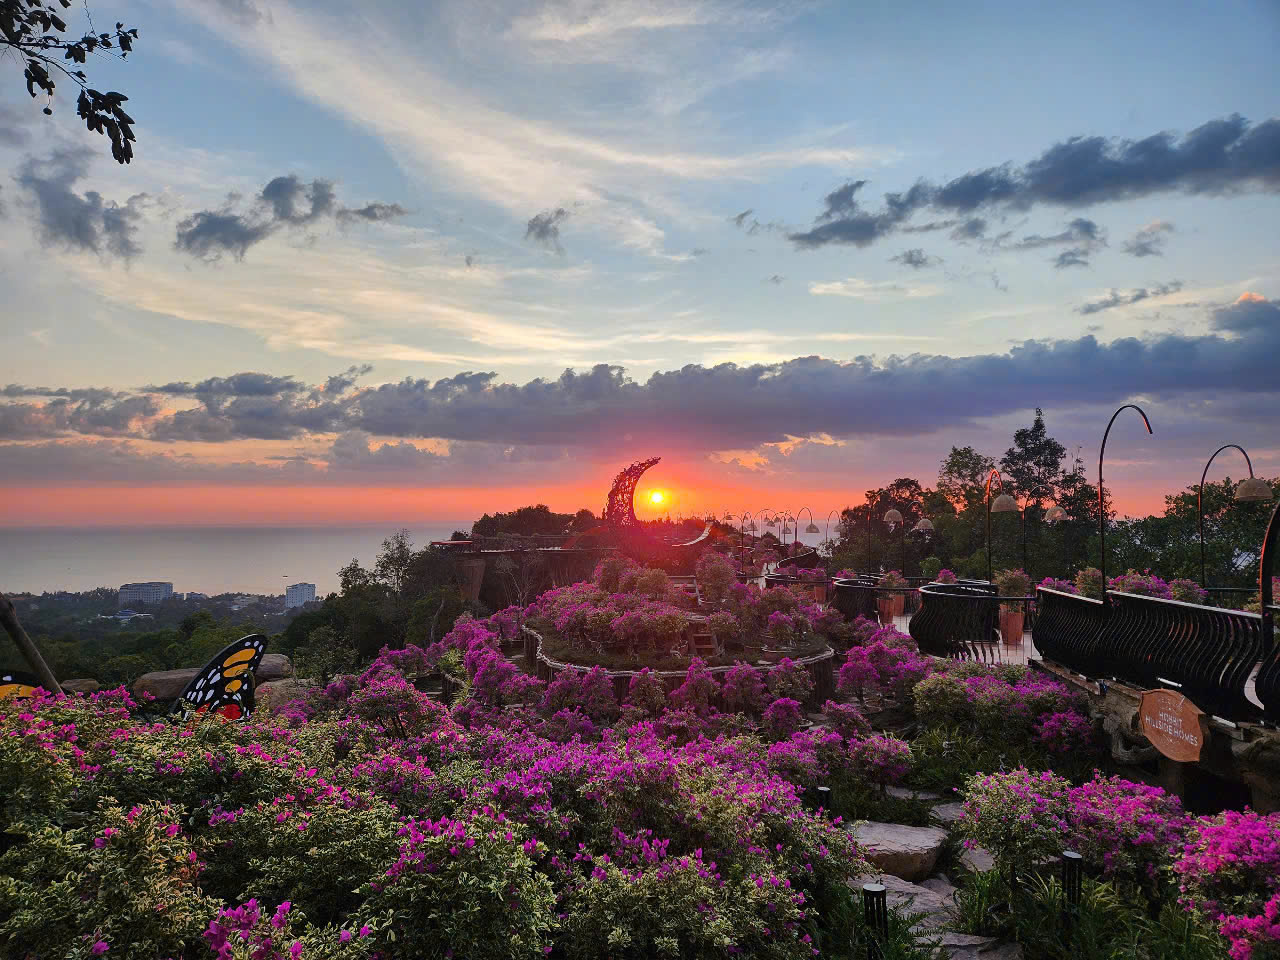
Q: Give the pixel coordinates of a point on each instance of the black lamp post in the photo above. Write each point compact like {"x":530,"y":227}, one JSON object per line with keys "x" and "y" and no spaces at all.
{"x":1003,"y":504}
{"x":1252,"y":490}
{"x":924,"y":528}
{"x":894,"y":518}
{"x":1026,"y":503}
{"x":868,"y":538}
{"x":826,"y":536}
{"x":1102,"y":511}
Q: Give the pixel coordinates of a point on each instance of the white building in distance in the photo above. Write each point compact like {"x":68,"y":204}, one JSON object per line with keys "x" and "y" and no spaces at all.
{"x":154,"y":591}
{"x":298,"y":594}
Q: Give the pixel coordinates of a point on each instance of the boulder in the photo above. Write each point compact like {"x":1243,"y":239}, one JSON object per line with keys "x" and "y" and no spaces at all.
{"x":165,"y":684}
{"x":81,"y":685}
{"x":273,"y":666}
{"x":275,"y":692}
{"x":940,"y":884}
{"x":907,"y":852}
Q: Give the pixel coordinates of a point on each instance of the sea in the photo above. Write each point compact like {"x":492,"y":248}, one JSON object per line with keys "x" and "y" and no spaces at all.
{"x":204,"y":559}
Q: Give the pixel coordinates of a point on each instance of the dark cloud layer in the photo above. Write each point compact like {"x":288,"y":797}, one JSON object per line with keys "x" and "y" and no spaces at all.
{"x":284,"y":203}
{"x":915,"y":258}
{"x":544,"y":228}
{"x":1221,"y":156}
{"x":722,"y":407}
{"x":1117,"y":299}
{"x":74,"y":221}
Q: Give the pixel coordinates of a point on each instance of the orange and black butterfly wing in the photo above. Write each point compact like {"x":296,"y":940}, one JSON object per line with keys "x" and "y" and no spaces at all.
{"x":225,"y":685}
{"x":15,"y":684}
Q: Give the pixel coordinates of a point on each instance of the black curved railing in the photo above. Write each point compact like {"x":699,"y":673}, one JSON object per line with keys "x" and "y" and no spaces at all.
{"x":1206,"y":653}
{"x":856,"y":596}
{"x":958,"y":620}
{"x":1067,"y":630}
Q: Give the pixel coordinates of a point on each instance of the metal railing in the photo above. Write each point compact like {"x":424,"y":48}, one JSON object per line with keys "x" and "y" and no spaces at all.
{"x":1206,"y":653}
{"x":958,"y":620}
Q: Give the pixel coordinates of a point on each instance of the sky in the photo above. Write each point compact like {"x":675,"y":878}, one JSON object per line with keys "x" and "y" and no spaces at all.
{"x":396,"y":263}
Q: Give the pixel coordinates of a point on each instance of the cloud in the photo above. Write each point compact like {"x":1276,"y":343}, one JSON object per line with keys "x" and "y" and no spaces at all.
{"x":1075,"y":257}
{"x":1222,"y":156}
{"x":915,"y":258}
{"x":544,"y":228}
{"x":777,"y":278}
{"x":723,"y":407}
{"x":1085,"y":234}
{"x":866,"y":290}
{"x":13,"y":124}
{"x":1117,"y":299}
{"x":284,"y":203}
{"x":67,"y":219}
{"x":1150,"y":240}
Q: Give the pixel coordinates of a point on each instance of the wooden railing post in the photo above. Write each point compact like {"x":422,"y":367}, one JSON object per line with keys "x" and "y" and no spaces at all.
{"x":9,"y":617}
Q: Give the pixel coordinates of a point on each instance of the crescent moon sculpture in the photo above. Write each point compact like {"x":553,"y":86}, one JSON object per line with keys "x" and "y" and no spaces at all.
{"x":620,"y":508}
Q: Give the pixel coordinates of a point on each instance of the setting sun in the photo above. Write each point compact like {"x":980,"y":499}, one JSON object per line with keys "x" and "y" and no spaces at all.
{"x":657,"y":497}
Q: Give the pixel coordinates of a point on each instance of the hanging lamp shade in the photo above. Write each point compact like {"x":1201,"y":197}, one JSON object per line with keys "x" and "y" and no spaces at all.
{"x":771,"y":522}
{"x":1055,"y":514}
{"x":1254,"y":490}
{"x":893,"y":516}
{"x":1004,"y":504}
{"x":786,"y":528}
{"x":924,"y":526}
{"x":812,"y":528}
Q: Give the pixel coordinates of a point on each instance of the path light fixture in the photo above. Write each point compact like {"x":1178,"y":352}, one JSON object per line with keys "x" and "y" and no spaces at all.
{"x":1102,"y":510}
{"x":1252,"y":490}
{"x":1002,"y":504}
{"x":1055,"y":514}
{"x":826,"y":536}
{"x":812,"y":527}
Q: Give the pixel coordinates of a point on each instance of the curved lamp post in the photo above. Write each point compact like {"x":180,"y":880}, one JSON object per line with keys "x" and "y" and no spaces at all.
{"x":826,"y":536}
{"x":1003,"y":504}
{"x":894,"y":519}
{"x":1252,"y":490}
{"x":1102,"y":511}
{"x":1026,"y":502}
{"x":924,"y":527}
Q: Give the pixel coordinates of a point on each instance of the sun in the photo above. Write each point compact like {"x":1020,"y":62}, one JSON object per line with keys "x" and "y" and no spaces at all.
{"x":657,"y":497}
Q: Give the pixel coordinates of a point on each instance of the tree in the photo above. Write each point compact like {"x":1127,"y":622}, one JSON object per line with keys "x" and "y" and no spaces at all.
{"x":1035,"y":459}
{"x":34,"y":31}
{"x":962,"y":477}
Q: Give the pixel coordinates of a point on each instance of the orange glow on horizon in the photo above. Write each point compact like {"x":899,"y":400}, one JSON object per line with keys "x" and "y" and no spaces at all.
{"x":657,"y":497}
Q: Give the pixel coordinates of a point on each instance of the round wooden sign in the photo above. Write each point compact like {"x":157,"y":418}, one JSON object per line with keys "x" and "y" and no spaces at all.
{"x":1174,"y":725}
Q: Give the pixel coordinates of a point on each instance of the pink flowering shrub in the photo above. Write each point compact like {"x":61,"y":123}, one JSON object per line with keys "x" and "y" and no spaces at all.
{"x":1128,"y":829}
{"x":699,"y":690}
{"x":888,"y":665}
{"x":1062,"y":586}
{"x":743,"y":689}
{"x":782,"y":718}
{"x":1064,"y":732}
{"x":1020,"y":816}
{"x":1145,"y":584}
{"x":945,"y":576}
{"x":882,"y":759}
{"x":1187,"y":591}
{"x":1229,"y":869}
{"x":390,"y":702}
{"x":590,"y":691}
{"x":716,"y":576}
{"x":782,"y":629}
{"x":845,"y":719}
{"x":789,"y":679}
{"x":648,"y":692}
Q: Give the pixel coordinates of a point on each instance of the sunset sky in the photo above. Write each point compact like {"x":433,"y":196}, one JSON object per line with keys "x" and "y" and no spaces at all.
{"x":397,"y":263}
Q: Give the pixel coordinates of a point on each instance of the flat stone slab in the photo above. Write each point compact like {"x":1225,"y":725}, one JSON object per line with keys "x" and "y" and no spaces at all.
{"x":977,"y":860}
{"x":949,"y":813}
{"x":906,"y":793}
{"x":940,"y":885}
{"x":80,"y":685}
{"x":907,"y":852}
{"x":916,"y":899}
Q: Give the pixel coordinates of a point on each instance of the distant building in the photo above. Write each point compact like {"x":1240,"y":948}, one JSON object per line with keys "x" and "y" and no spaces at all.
{"x":193,"y":595}
{"x":153,"y":591}
{"x":298,"y":594}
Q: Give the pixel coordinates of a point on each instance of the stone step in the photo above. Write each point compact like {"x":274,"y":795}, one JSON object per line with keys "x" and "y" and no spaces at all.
{"x":907,"y":852}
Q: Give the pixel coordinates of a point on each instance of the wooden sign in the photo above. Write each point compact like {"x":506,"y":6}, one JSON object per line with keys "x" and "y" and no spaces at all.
{"x":1174,"y":725}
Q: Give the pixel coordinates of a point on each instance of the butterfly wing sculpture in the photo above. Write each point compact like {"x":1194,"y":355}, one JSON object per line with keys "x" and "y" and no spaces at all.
{"x":15,"y":684}
{"x":225,"y":685}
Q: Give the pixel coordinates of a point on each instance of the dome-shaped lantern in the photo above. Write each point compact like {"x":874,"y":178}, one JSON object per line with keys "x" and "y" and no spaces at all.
{"x":1004,"y":504}
{"x":893,"y":516}
{"x":1254,"y":490}
{"x":1055,"y":514}
{"x":771,"y":522}
{"x":924,"y":526}
{"x":812,"y":528}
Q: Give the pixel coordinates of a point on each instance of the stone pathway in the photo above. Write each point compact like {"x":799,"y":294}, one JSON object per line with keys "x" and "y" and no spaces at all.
{"x":905,"y":859}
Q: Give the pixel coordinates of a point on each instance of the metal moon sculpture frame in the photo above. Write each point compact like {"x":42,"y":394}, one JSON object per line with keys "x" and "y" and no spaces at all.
{"x":620,"y":508}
